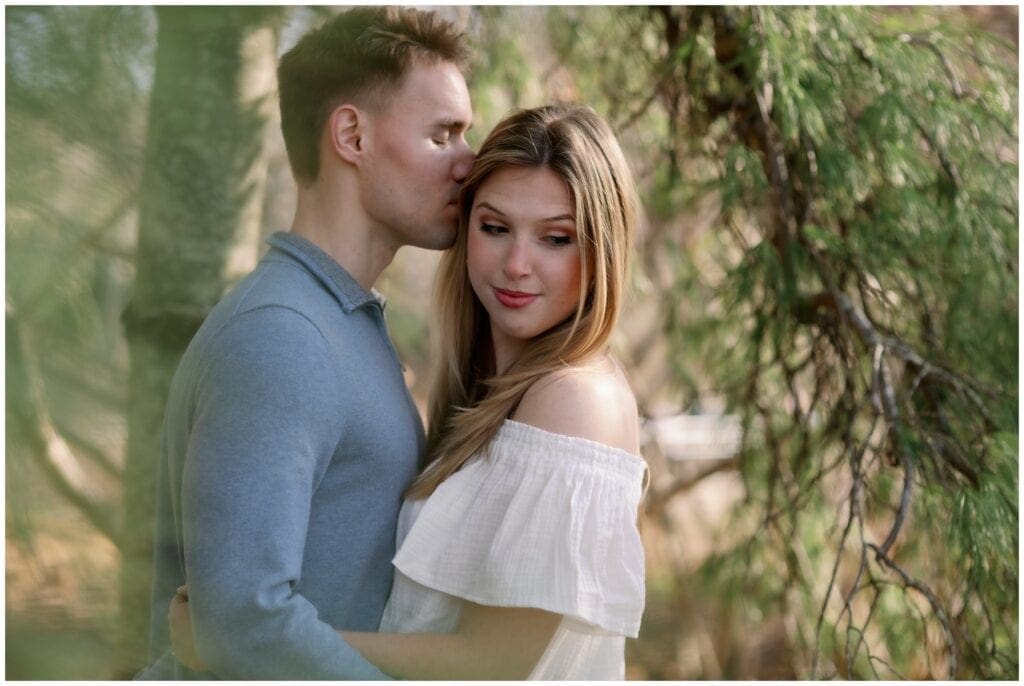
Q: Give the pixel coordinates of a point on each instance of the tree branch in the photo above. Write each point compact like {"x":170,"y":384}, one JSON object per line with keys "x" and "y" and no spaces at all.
{"x":657,"y":500}
{"x":954,"y":82}
{"x":921,"y":588}
{"x":46,"y":446}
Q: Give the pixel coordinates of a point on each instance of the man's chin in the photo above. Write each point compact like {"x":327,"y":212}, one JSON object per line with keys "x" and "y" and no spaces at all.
{"x":441,"y":239}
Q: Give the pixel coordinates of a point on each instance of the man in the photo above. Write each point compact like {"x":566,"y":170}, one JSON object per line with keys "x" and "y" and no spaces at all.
{"x":290,"y":434}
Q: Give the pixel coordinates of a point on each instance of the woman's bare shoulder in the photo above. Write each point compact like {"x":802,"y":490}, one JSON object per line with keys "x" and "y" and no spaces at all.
{"x":592,"y":401}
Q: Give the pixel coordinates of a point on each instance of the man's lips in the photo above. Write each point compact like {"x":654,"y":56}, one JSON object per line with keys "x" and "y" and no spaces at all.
{"x":514,"y":299}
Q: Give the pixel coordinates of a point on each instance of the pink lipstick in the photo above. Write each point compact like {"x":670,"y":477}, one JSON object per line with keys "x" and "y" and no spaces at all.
{"x":514,"y":299}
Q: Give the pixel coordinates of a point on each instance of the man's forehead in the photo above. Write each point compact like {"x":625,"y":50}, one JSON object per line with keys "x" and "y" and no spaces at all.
{"x":439,"y":86}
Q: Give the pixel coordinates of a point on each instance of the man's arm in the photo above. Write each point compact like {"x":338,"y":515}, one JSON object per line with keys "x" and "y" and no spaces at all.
{"x":491,"y":643}
{"x":259,"y":444}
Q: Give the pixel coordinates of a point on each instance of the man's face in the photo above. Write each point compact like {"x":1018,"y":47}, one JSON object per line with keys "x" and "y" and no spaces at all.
{"x":417,"y":157}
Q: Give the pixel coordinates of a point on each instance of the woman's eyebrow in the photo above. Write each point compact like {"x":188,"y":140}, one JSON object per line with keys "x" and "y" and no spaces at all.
{"x":561,"y":217}
{"x":492,"y":208}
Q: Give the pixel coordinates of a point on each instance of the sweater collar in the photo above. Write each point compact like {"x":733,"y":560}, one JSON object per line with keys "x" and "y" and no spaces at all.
{"x":339,"y":282}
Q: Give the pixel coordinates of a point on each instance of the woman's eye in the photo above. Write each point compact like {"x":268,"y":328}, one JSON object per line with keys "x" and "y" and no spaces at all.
{"x":492,"y":228}
{"x":559,"y":241}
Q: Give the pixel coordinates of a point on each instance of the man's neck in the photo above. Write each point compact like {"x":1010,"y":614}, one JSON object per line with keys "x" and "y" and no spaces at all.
{"x":344,"y":233}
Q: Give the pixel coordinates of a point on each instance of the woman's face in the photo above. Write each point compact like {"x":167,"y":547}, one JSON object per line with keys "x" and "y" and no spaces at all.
{"x":523,"y":255}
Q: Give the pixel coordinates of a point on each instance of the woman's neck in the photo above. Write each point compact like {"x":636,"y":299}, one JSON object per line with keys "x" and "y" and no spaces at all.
{"x":506,"y":351}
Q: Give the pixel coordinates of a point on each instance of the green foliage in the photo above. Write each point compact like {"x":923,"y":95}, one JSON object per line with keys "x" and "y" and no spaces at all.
{"x":81,"y":111}
{"x":499,"y":78}
{"x":864,"y":163}
{"x":76,"y":80}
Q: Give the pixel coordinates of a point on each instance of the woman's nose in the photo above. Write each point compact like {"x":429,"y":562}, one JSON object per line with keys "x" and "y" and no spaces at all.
{"x":517,"y":260}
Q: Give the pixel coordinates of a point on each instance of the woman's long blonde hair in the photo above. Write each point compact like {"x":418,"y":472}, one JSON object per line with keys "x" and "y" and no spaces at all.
{"x":468,"y":400}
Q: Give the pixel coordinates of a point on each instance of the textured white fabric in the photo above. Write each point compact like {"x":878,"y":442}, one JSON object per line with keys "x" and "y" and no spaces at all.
{"x":537,"y":520}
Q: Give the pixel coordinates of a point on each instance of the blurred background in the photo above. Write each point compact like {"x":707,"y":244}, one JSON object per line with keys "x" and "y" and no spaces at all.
{"x":822,"y":331}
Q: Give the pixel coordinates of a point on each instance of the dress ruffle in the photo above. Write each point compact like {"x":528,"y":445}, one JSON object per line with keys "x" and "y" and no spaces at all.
{"x":537,"y":520}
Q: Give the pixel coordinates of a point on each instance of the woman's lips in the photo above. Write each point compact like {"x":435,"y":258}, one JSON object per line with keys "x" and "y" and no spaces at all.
{"x":514,"y":299}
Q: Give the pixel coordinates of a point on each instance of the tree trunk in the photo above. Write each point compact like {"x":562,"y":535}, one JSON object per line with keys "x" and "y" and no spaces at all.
{"x":199,"y":219}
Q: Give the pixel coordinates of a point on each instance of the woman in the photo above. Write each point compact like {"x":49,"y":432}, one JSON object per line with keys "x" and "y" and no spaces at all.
{"x":518,"y":555}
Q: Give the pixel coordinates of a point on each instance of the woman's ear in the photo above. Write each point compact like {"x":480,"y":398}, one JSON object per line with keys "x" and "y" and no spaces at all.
{"x":346,"y":128}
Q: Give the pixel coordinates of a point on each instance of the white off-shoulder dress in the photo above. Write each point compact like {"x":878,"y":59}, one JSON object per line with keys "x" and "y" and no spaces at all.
{"x":537,"y":520}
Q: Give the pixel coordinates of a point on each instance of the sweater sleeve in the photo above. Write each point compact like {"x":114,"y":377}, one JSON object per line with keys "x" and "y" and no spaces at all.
{"x":264,"y":429}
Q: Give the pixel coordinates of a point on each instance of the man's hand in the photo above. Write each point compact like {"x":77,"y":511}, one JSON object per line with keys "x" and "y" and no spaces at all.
{"x":182,"y":642}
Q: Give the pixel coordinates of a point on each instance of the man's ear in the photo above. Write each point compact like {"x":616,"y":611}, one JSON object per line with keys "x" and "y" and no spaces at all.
{"x":347,"y":128}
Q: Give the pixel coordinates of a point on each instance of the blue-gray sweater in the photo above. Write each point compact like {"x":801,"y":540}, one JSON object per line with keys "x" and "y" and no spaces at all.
{"x":288,"y":440}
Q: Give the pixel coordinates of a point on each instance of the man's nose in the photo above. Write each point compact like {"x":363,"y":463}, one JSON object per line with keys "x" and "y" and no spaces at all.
{"x":460,"y":170}
{"x":517,"y":261}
